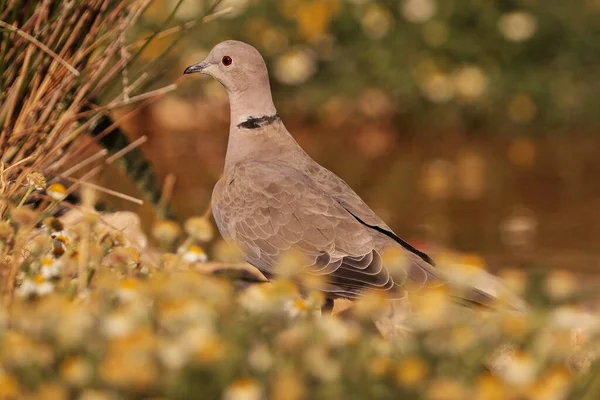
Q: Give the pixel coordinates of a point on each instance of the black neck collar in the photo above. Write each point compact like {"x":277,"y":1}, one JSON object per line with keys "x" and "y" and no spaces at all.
{"x":258,"y":122}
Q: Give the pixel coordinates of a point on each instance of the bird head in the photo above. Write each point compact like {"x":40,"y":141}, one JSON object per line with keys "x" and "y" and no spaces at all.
{"x":236,"y":65}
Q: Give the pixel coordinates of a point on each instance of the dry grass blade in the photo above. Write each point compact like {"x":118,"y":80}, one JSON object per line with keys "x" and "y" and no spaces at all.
{"x":167,"y":192}
{"x":85,"y":163}
{"x":41,"y":45}
{"x":105,"y":190}
{"x":135,"y":144}
{"x":54,"y":57}
{"x":56,"y":60}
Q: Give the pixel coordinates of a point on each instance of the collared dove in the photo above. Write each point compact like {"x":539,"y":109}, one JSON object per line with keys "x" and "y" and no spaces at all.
{"x":273,"y":197}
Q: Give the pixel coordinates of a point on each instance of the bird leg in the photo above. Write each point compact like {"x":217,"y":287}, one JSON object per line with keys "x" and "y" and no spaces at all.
{"x":327,"y":308}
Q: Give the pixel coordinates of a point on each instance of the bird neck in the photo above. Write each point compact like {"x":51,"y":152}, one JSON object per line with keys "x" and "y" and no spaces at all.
{"x":250,"y":105}
{"x":258,"y":122}
{"x":256,"y":131}
{"x":263,"y":140}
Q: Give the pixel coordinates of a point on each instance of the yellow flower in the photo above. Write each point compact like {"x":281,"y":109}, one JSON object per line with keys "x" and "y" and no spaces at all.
{"x":336,"y":331}
{"x":173,"y":354}
{"x":37,"y":286}
{"x":169,"y":260}
{"x":446,"y":389}
{"x":20,"y":350}
{"x":292,"y":338}
{"x":199,"y":228}
{"x":518,"y":368}
{"x":61,"y":236}
{"x":515,"y":324}
{"x":244,"y":389}
{"x":166,"y":232}
{"x":514,"y":279}
{"x":320,"y":365}
{"x":57,"y":191}
{"x":462,"y":337}
{"x":291,"y":263}
{"x":177,"y":313}
{"x":284,"y":289}
{"x":76,"y":370}
{"x":371,"y":304}
{"x":258,"y":298}
{"x":210,"y":349}
{"x":128,"y":367}
{"x":411,"y":372}
{"x":396,"y":262}
{"x":554,"y":385}
{"x":227,"y":252}
{"x":489,"y":387}
{"x":560,"y":284}
{"x":193,"y":254}
{"x":379,"y":366}
{"x":571,"y":318}
{"x":431,"y":307}
{"x":50,"y":268}
{"x":313,"y":282}
{"x":9,"y":388}
{"x":463,"y":270}
{"x":287,"y":385}
{"x":260,"y":358}
{"x":118,"y":324}
{"x":296,"y":307}
{"x":127,"y":290}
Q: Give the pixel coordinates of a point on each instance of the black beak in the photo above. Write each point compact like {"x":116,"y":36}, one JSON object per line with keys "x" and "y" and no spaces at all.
{"x":192,"y":69}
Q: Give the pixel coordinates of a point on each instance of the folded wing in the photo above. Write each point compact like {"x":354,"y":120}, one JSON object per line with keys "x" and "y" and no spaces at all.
{"x":268,"y":208}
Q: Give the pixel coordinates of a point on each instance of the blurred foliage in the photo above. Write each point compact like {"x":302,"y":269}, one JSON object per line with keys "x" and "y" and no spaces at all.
{"x":142,"y":324}
{"x":477,"y":65}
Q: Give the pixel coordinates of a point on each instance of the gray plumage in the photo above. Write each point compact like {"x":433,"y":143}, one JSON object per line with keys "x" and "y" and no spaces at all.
{"x":273,"y":197}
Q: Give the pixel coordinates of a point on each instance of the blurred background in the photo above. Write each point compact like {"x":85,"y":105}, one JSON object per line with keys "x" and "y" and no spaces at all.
{"x":467,"y":124}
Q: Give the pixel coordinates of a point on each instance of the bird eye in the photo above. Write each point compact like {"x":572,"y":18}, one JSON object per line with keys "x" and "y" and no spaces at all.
{"x":227,"y":61}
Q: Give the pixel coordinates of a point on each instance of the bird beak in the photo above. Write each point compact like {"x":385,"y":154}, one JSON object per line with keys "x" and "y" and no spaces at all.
{"x":192,"y":69}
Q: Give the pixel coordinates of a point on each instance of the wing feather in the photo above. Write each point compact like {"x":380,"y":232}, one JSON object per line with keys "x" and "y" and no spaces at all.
{"x":268,"y":208}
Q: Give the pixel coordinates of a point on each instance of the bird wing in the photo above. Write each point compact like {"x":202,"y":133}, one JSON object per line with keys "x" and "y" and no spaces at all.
{"x":268,"y":208}
{"x":421,"y":268}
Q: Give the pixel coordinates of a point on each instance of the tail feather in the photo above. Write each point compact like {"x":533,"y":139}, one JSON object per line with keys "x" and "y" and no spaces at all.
{"x":488,"y":291}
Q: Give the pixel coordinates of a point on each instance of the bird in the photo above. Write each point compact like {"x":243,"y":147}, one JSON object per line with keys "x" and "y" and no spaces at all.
{"x":273,"y":197}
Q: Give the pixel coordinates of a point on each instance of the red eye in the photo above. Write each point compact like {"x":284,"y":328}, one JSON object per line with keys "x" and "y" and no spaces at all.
{"x":227,"y":61}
